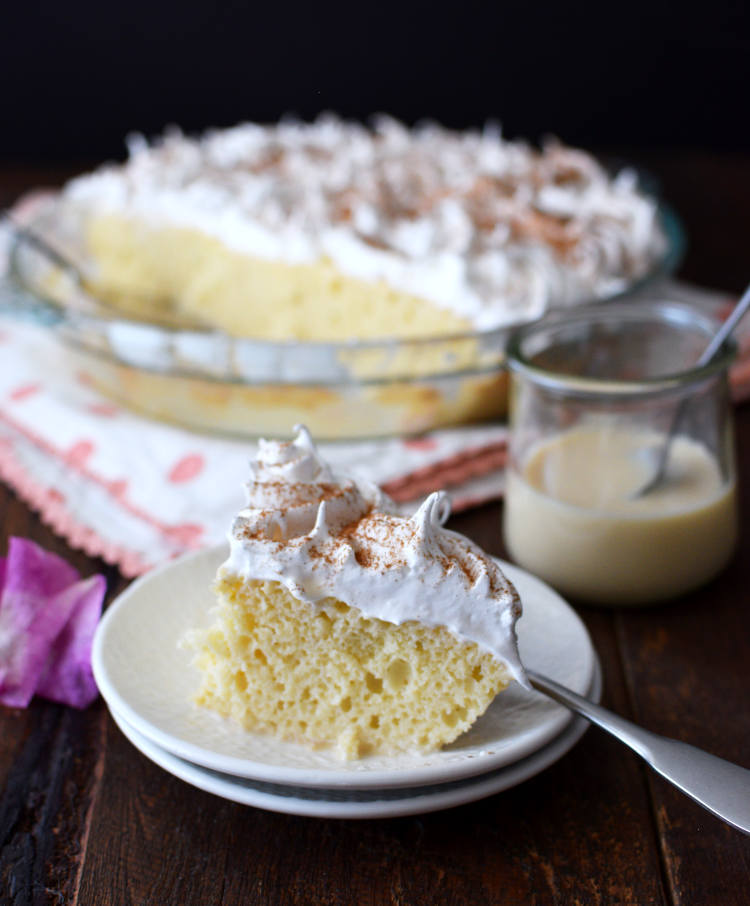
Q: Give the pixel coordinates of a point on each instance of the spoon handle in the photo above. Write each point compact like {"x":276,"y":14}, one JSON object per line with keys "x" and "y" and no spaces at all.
{"x":718,"y":785}
{"x":726,"y":328}
{"x":37,"y":241}
{"x":717,"y":341}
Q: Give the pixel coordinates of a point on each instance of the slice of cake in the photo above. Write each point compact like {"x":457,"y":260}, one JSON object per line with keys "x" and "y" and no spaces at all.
{"x":332,"y":231}
{"x":342,"y":624}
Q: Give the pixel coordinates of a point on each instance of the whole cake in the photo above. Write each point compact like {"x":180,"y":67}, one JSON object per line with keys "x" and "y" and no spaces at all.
{"x":340,"y":624}
{"x":333,"y":231}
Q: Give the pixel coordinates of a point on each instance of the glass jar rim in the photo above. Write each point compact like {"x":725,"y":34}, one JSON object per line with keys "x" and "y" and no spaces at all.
{"x":663,"y":311}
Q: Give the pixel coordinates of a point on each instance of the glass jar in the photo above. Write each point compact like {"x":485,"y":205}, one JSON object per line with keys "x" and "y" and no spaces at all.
{"x":594,"y":396}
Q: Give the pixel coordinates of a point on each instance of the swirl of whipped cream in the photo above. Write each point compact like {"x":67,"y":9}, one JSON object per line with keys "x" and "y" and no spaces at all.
{"x":323,"y":536}
{"x":290,"y":481}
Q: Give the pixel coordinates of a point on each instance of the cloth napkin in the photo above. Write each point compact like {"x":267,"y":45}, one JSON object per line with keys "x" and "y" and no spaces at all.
{"x":137,"y":492}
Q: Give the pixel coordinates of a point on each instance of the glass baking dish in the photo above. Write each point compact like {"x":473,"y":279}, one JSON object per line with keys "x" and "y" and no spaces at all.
{"x":208,"y":380}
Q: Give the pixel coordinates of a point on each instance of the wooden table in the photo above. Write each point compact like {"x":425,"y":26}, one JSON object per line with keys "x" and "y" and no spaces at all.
{"x":85,"y":818}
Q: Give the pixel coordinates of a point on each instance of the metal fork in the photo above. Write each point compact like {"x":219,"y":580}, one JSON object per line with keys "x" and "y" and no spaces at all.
{"x":718,"y":785}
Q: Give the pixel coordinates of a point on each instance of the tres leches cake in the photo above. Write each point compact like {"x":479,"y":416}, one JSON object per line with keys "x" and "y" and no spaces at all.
{"x":340,"y":624}
{"x":333,"y":231}
{"x":407,"y":250}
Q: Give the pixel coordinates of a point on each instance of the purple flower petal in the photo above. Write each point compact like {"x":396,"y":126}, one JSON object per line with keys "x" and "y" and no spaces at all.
{"x":28,"y":625}
{"x":40,"y":602}
{"x":67,"y":676}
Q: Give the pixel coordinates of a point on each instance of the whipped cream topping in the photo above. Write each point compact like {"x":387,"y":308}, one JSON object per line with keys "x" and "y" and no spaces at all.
{"x":493,"y":230}
{"x":325,"y":536}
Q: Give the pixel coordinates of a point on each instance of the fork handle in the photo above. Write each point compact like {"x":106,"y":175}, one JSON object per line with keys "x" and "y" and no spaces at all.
{"x":718,"y":785}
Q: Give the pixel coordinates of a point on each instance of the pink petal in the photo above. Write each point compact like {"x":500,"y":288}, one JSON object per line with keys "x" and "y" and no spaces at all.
{"x":28,"y":624}
{"x":67,"y":676}
{"x":47,"y":621}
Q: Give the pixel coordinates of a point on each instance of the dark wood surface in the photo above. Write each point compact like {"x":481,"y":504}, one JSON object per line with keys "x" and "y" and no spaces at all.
{"x":85,"y":818}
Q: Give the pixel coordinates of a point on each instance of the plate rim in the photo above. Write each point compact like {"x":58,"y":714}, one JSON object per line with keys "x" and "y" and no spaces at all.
{"x":315,"y":776}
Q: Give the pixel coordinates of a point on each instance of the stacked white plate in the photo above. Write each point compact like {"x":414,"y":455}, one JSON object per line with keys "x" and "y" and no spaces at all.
{"x":148,"y":682}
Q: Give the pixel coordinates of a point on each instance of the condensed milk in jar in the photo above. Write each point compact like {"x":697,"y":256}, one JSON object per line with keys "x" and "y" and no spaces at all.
{"x":595,"y":395}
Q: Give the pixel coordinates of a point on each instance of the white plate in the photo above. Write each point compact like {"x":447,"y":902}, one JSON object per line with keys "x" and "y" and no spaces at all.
{"x":150,"y":682}
{"x":348,"y":803}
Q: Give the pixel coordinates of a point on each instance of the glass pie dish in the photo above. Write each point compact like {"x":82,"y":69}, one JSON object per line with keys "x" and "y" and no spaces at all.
{"x":207,"y":380}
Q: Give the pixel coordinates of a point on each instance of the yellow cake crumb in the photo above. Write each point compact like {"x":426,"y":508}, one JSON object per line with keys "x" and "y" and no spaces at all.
{"x":326,"y":676}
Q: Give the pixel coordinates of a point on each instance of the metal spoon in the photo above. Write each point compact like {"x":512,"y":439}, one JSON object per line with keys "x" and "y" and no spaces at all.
{"x":706,"y":357}
{"x":718,"y":785}
{"x":164,"y":317}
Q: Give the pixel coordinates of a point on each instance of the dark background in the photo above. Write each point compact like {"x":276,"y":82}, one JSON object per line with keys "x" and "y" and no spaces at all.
{"x":77,"y":76}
